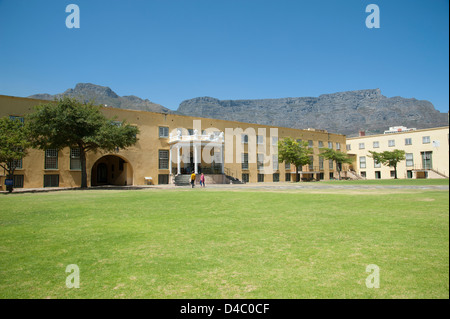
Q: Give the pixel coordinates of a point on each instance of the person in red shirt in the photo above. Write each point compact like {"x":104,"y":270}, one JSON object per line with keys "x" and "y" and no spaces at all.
{"x":202,"y":180}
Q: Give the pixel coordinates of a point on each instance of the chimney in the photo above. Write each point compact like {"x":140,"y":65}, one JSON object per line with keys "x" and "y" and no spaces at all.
{"x":362,"y":133}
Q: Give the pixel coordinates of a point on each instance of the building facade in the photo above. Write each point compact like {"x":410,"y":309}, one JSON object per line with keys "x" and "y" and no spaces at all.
{"x":427,"y":153}
{"x":171,"y":145}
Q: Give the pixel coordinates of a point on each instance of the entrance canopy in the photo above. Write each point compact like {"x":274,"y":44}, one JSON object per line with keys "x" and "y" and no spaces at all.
{"x":196,"y":141}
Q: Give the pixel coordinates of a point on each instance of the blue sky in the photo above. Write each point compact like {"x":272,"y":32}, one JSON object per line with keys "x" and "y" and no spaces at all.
{"x":171,"y":50}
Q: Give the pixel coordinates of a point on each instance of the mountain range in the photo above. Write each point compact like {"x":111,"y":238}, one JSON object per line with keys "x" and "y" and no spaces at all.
{"x":105,"y":96}
{"x":343,"y":112}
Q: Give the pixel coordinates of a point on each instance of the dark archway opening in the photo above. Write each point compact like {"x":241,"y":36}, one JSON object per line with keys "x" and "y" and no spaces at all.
{"x":111,"y":170}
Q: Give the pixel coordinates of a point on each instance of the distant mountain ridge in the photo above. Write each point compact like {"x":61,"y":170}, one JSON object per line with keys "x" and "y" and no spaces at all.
{"x":342,"y":112}
{"x":104,"y":95}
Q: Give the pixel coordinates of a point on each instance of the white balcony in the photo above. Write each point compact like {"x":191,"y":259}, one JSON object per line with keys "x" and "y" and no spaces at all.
{"x":214,"y":137}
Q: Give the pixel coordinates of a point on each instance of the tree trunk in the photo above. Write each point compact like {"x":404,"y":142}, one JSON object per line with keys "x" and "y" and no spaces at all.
{"x":298,"y":174}
{"x":10,"y":175}
{"x":83,"y":168}
{"x":395,"y":172}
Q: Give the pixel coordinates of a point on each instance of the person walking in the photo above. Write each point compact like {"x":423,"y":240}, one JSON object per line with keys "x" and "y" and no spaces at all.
{"x":193,"y":179}
{"x":202,"y":180}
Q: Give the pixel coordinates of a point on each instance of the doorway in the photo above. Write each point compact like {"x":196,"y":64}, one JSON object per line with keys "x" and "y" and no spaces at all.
{"x":111,"y":170}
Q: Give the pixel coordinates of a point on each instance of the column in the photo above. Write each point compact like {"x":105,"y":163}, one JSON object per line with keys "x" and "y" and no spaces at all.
{"x":223,"y":157}
{"x":195,"y":159}
{"x":178,"y":160}
{"x":170,"y":161}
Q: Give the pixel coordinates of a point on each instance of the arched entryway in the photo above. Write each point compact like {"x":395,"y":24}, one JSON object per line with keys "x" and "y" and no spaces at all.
{"x":111,"y":170}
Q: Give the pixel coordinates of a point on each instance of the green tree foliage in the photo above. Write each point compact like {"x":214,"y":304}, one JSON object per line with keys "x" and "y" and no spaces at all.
{"x":70,"y":123}
{"x":297,"y":153}
{"x":389,"y":158}
{"x":13,"y":145}
{"x":336,"y":156}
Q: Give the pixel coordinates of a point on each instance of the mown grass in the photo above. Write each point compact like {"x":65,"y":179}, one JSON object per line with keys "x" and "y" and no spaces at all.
{"x":221,"y":244}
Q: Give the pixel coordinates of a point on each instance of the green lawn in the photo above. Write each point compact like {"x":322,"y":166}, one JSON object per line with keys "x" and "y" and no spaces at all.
{"x":205,"y":243}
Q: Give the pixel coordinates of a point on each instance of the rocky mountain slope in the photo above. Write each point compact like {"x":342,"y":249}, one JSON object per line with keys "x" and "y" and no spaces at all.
{"x":342,"y":112}
{"x":104,"y":95}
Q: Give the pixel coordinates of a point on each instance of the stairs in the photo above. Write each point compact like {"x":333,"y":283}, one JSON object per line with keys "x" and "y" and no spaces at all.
{"x":432,"y":173}
{"x":437,"y":174}
{"x":353,"y":176}
{"x":183,"y":180}
{"x":234,"y":180}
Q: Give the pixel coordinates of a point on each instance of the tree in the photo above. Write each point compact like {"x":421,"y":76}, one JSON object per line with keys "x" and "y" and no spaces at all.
{"x":13,"y":146}
{"x":70,"y":123}
{"x":297,"y":153}
{"x":336,"y":156}
{"x":389,"y":158}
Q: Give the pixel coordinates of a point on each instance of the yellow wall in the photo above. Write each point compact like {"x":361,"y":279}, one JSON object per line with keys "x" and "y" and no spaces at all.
{"x":142,"y":158}
{"x":440,"y":153}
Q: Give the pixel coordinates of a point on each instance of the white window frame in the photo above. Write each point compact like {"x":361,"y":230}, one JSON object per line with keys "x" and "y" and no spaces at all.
{"x":163,"y":132}
{"x":18,"y":164}
{"x":260,"y":161}
{"x":276,"y":166}
{"x":18,"y":118}
{"x":244,"y":162}
{"x":409,"y":159}
{"x":274,"y":140}
{"x":260,"y":139}
{"x":51,"y":153}
{"x":362,"y":162}
{"x":75,"y":159}
{"x":376,"y":164}
{"x":163,"y":159}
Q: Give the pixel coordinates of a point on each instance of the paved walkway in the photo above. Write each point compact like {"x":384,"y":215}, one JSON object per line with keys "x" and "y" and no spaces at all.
{"x":315,"y":185}
{"x":250,"y":186}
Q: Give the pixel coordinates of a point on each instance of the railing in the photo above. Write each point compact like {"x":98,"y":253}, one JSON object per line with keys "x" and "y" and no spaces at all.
{"x":197,"y":138}
{"x":213,"y":169}
{"x":230,"y":172}
{"x":421,"y":167}
{"x":309,"y":169}
{"x":352,"y":175}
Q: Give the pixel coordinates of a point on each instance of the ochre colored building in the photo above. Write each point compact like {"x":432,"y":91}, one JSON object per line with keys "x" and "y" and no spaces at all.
{"x":426,"y":153}
{"x":172,"y":145}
